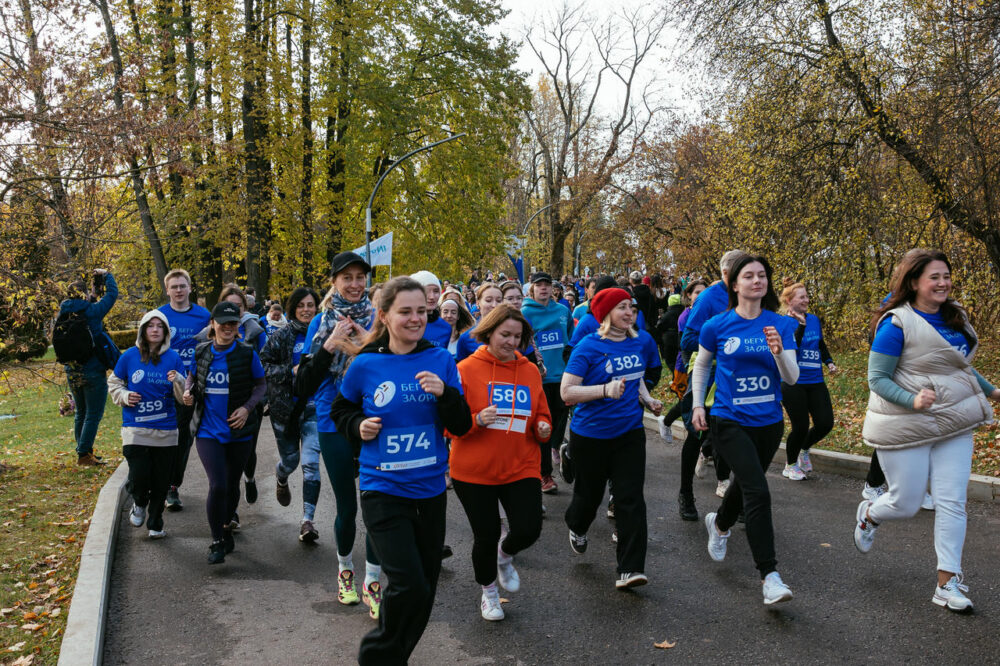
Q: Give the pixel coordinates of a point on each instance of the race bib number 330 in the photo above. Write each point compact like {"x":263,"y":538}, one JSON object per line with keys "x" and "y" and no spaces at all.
{"x":407,"y":448}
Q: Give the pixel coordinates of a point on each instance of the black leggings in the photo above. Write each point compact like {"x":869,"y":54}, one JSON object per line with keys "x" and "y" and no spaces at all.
{"x":802,"y":401}
{"x":149,"y":470}
{"x":876,"y":477}
{"x":560,"y":413}
{"x":250,"y":466}
{"x":749,"y":451}
{"x":695,"y":443}
{"x":521,"y":499}
{"x":223,"y":463}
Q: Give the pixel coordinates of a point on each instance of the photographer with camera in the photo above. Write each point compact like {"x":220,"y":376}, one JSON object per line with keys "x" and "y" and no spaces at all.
{"x":87,"y":353}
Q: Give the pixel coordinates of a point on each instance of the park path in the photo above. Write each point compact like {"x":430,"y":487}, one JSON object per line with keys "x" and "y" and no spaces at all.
{"x":274,"y":600}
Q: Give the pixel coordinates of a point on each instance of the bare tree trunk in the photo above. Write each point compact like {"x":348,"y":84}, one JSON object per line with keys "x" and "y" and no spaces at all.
{"x":258,"y":262}
{"x":336,"y":131}
{"x":307,"y":142}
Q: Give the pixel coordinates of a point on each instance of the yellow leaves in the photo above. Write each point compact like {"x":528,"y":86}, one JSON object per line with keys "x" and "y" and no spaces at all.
{"x":664,"y":645}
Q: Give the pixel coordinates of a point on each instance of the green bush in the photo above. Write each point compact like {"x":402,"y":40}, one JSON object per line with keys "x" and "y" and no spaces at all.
{"x":124,"y":339}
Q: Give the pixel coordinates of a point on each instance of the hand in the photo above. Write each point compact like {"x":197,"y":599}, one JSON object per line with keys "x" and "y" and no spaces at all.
{"x":924,"y":399}
{"x":430,"y":383}
{"x":171,"y":376}
{"x":100,"y":271}
{"x":370,"y":428}
{"x":341,"y":331}
{"x":544,"y":430}
{"x":832,"y":367}
{"x":134,"y":399}
{"x":698,"y":419}
{"x":187,"y":399}
{"x":995,"y":395}
{"x":655,"y":406}
{"x":615,"y":388}
{"x":487,"y":416}
{"x":773,"y":340}
{"x":238,"y":418}
{"x":542,"y":370}
{"x":800,"y":317}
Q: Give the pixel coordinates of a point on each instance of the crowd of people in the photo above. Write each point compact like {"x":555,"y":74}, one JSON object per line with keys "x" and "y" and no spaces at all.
{"x":415,"y":386}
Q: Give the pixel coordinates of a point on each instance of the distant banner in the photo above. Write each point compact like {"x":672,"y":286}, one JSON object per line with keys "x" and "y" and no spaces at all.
{"x":518,"y":266}
{"x":381,"y":251}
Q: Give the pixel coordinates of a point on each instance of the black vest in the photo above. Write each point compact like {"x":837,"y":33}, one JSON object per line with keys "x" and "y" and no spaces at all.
{"x":241,"y":381}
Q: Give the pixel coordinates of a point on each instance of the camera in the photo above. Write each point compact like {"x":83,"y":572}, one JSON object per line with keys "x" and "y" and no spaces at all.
{"x":99,"y":279}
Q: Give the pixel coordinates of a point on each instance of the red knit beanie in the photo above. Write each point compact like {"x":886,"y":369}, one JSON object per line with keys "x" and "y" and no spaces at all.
{"x":605,"y":301}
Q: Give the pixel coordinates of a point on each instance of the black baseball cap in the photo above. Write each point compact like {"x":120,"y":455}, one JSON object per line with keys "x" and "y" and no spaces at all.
{"x":604,"y":282}
{"x":225,"y":312}
{"x":345,"y":259}
{"x":541,"y":277}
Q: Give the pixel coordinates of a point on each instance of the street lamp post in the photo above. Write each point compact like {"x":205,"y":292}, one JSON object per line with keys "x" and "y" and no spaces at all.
{"x":378,"y":184}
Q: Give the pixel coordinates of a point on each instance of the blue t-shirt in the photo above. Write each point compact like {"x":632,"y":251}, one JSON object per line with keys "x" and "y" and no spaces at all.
{"x":588,"y":324}
{"x":714,"y":300}
{"x":156,"y":410}
{"x":184,"y":326}
{"x":438,"y":333}
{"x":748,"y":385}
{"x":580,"y":310}
{"x":598,"y":361}
{"x":889,"y":337}
{"x":298,"y":349}
{"x":215,"y":416}
{"x":261,"y":340}
{"x":810,"y":363}
{"x":328,"y":389}
{"x":409,"y":457}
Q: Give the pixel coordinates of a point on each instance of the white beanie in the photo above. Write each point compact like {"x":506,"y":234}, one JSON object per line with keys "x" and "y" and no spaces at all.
{"x":426,"y":278}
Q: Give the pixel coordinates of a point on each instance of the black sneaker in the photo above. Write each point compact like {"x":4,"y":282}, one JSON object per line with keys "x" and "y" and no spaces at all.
{"x":565,"y":464}
{"x":686,"y":507}
{"x":251,"y":487}
{"x":173,"y":500}
{"x":217,"y":553}
{"x":228,"y":542}
{"x":578,"y":542}
{"x":283,"y":493}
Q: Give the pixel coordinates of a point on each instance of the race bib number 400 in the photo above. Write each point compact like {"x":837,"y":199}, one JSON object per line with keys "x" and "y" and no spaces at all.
{"x":511,"y":400}
{"x":550,"y":340}
{"x":407,"y":448}
{"x":753,"y":390}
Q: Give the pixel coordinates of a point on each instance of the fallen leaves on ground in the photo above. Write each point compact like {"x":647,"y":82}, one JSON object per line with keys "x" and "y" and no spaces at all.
{"x":665,"y":645}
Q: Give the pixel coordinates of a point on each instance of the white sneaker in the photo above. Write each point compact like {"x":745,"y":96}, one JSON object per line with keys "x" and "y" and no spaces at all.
{"x":626,"y":580}
{"x":716,"y":542}
{"x":489,"y":605}
{"x":805,"y":464}
{"x":701,"y":467}
{"x":137,"y":516}
{"x":793,"y":473}
{"x":720,"y":490}
{"x":157,"y":534}
{"x":775,"y":590}
{"x":952,"y":595}
{"x":928,"y":503}
{"x":872,"y":493}
{"x":864,"y":528}
{"x":507,"y":575}
{"x":668,"y":437}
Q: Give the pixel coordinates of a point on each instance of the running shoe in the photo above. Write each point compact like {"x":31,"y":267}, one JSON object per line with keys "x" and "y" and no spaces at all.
{"x":251,"y":490}
{"x":555,"y":457}
{"x":507,"y":575}
{"x":685,"y":505}
{"x":717,"y":543}
{"x":864,"y":528}
{"x":228,"y":542}
{"x":614,"y":535}
{"x":701,"y":467}
{"x":805,"y":464}
{"x":346,"y":592}
{"x":793,"y":473}
{"x":137,"y":516}
{"x":371,"y":595}
{"x":234,"y":522}
{"x":157,"y":534}
{"x":722,"y":487}
{"x":775,"y":590}
{"x":549,"y":486}
{"x":216,"y":553}
{"x":490,"y":606}
{"x":627,"y":580}
{"x":578,"y":542}
{"x":308,"y":532}
{"x":872,"y":493}
{"x":283,"y":493}
{"x":565,"y":464}
{"x":668,"y":437}
{"x":928,"y":503}
{"x":173,"y":500}
{"x":952,"y":596}
{"x":611,"y":508}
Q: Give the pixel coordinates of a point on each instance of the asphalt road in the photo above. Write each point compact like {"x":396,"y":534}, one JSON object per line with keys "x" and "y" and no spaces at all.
{"x":274,"y":599}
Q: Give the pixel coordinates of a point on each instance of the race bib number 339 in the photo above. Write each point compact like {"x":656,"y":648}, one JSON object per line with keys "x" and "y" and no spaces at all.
{"x":407,"y":448}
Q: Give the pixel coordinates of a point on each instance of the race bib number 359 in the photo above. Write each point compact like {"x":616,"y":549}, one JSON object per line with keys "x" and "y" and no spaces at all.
{"x":407,"y":448}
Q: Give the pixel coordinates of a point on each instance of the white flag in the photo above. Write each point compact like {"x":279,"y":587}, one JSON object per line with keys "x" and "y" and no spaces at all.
{"x":381,"y":251}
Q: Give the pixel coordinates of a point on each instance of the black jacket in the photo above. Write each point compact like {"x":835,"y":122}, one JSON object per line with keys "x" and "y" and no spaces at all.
{"x":241,"y":386}
{"x":277,"y":359}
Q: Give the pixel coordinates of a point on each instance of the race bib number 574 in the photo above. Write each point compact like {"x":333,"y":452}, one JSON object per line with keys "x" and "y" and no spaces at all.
{"x":407,"y":448}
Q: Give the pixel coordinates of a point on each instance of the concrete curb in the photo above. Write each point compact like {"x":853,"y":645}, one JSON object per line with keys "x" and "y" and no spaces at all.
{"x":981,"y":488}
{"x":83,"y":642}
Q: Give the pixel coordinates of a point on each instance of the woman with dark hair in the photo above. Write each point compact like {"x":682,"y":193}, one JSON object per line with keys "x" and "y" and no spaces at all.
{"x":926,"y":400}
{"x":754,"y":350}
{"x":290,"y":421}
{"x":499,"y":459}
{"x":452,"y":309}
{"x":396,"y":399}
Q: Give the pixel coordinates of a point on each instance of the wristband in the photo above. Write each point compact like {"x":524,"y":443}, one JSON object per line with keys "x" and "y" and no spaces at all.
{"x":604,"y":390}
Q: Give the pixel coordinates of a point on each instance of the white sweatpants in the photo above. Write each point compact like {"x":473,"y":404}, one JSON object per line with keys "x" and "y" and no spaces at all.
{"x":947,"y":464}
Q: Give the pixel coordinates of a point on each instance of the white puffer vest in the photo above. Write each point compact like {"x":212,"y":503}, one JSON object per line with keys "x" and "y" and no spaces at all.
{"x":927,"y":361}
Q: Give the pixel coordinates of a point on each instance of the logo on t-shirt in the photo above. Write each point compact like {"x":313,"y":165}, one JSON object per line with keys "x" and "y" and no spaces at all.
{"x":297,"y":349}
{"x":173,"y":332}
{"x":138,"y":375}
{"x":608,"y":368}
{"x":732,"y":345}
{"x":384,"y":393}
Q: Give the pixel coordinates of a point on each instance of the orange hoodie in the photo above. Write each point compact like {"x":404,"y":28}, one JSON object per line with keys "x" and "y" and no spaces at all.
{"x":507,"y":450}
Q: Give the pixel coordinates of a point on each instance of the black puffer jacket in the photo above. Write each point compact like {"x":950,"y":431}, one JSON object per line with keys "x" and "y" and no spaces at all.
{"x":277,"y":359}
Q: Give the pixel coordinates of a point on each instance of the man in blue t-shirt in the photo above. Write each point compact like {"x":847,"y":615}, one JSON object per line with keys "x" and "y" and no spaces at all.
{"x":186,"y":321}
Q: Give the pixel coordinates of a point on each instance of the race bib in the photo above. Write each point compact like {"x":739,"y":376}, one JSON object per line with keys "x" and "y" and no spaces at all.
{"x":217,"y":383}
{"x":810,"y":359}
{"x":550,"y":339}
{"x":510,"y":400}
{"x":150,"y":410}
{"x":407,"y":448}
{"x":626,"y":367}
{"x":753,"y":390}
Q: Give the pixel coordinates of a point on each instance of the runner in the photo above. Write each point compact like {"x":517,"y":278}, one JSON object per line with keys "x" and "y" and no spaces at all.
{"x":488,"y":296}
{"x":396,"y":400}
{"x":583,"y":307}
{"x":926,"y":400}
{"x":345,"y":317}
{"x":290,"y":421}
{"x":498,"y":460}
{"x":553,"y":327}
{"x":809,"y":395}
{"x":438,"y":331}
{"x":144,"y":384}
{"x":754,"y":350}
{"x":607,"y":437}
{"x":452,"y":308}
{"x":225,"y":387}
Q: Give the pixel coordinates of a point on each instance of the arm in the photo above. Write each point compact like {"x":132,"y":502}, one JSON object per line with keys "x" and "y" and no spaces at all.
{"x":788,"y":366}
{"x":259,"y":393}
{"x":699,"y":377}
{"x":652,"y":377}
{"x":573,"y":392}
{"x":824,"y":353}
{"x":453,"y":411}
{"x":689,"y":340}
{"x":800,"y":331}
{"x":179,"y":384}
{"x":348,"y":416}
{"x":313,"y":369}
{"x":118,"y":390}
{"x":881,"y":368}
{"x":988,"y":388}
{"x":277,"y":363}
{"x":103,"y":306}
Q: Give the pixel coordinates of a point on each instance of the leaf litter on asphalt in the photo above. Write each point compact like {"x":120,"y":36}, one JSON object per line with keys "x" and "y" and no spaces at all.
{"x":665,"y":645}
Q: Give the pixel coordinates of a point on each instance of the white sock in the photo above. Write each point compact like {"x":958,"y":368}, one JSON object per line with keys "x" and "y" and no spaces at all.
{"x":372,"y":573}
{"x":346,"y":562}
{"x":502,"y":557}
{"x":491,"y":589}
{"x":249,"y":479}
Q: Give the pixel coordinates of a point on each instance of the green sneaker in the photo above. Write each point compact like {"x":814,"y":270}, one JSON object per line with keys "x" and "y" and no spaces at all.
{"x":346,"y":594}
{"x":372,"y":596}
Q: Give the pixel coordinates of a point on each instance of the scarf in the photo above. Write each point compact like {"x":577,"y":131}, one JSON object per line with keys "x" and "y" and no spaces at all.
{"x":360,"y":312}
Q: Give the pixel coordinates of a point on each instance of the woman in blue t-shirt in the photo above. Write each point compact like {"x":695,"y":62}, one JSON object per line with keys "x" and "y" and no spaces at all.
{"x":144,"y":383}
{"x":397,"y":398}
{"x":754,"y":352}
{"x":808,"y":396}
{"x":225,"y":386}
{"x":607,"y":441}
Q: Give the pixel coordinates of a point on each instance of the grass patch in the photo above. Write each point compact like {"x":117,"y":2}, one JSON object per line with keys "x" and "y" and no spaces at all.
{"x":849,"y":393}
{"x":45,"y":506}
